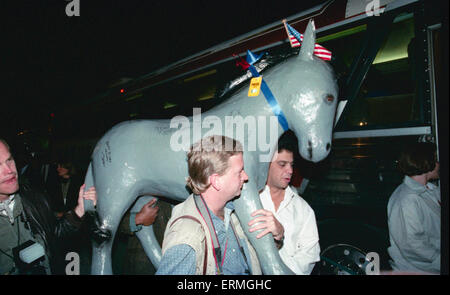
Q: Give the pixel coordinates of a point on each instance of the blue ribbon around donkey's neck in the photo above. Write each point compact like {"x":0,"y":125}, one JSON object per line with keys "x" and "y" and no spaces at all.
{"x":276,"y":109}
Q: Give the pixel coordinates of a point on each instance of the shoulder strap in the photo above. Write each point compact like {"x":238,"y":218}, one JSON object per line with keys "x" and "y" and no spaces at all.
{"x":203,"y":210}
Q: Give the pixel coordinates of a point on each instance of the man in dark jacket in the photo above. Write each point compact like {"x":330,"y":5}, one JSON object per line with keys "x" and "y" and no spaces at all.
{"x":28,"y":228}
{"x":63,"y":187}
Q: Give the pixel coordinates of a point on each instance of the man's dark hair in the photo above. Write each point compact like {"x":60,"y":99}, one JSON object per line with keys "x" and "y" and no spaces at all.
{"x":288,"y":141}
{"x":418,"y":158}
{"x":67,"y":164}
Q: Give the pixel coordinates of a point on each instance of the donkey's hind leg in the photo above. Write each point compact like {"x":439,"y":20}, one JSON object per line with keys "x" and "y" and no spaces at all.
{"x":110,"y":215}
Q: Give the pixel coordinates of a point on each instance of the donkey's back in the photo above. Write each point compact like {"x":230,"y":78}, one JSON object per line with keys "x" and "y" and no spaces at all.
{"x":135,"y":155}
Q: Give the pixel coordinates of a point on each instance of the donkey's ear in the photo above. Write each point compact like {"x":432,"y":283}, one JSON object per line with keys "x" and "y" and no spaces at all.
{"x":309,"y":41}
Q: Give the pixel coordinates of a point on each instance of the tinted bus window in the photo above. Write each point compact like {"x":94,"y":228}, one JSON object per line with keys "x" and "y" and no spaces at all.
{"x":387,"y":96}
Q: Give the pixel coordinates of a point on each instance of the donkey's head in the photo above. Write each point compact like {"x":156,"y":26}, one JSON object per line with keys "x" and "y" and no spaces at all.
{"x":309,"y":92}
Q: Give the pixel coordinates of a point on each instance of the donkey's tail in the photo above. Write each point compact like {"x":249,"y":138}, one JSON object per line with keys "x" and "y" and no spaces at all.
{"x":92,"y":219}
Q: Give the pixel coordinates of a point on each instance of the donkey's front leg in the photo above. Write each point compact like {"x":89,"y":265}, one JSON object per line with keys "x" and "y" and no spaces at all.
{"x":269,"y":258}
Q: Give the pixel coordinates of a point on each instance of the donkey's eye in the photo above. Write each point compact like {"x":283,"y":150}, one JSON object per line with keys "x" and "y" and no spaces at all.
{"x":329,"y":98}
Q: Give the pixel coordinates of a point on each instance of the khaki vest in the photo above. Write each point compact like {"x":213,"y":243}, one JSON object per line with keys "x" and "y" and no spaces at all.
{"x":186,"y":226}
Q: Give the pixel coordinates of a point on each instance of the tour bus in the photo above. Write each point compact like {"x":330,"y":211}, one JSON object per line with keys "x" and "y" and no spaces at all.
{"x":390,"y":58}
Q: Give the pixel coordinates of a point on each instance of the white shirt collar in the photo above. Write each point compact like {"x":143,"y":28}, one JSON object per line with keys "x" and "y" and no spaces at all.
{"x":288,"y":195}
{"x":9,"y":200}
{"x":10,"y":203}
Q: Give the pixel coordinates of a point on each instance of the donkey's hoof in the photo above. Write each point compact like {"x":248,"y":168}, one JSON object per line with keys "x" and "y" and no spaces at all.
{"x":98,"y":234}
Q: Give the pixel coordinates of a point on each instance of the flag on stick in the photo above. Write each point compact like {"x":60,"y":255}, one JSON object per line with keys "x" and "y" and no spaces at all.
{"x":294,"y":42}
{"x":295,"y":38}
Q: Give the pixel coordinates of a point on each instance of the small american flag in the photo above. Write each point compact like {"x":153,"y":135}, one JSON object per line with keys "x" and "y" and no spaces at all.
{"x":295,"y":38}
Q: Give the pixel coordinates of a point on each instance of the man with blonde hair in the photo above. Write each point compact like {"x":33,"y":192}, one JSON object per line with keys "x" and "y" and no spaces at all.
{"x":203,"y":235}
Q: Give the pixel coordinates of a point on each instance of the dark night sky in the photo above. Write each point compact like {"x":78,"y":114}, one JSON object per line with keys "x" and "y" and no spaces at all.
{"x":49,"y":59}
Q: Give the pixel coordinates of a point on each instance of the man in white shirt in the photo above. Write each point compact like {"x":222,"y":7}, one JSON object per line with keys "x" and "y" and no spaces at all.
{"x":300,"y":250}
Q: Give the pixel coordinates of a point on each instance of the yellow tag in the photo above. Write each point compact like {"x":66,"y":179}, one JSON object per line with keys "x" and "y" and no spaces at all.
{"x":255,"y":86}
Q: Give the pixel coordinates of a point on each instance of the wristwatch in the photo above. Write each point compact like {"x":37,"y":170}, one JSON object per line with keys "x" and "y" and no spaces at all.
{"x":133,"y":226}
{"x":279,"y":243}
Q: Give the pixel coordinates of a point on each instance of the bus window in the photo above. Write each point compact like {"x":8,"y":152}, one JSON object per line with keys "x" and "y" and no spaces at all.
{"x":387,"y":97}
